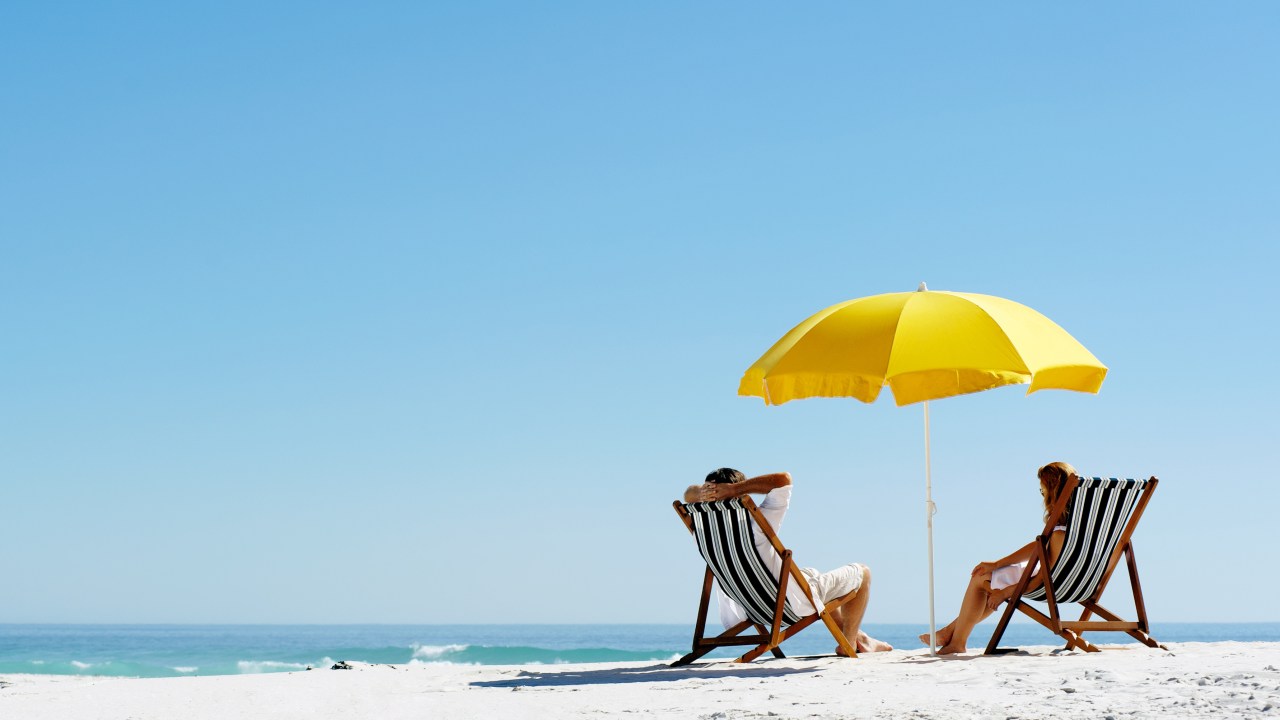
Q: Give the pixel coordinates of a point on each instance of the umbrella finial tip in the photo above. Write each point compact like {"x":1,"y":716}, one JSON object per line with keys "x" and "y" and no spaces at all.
{"x":922,"y":287}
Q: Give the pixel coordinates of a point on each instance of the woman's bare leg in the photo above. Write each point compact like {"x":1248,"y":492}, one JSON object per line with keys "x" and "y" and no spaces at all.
{"x":973,"y":610}
{"x":943,"y":634}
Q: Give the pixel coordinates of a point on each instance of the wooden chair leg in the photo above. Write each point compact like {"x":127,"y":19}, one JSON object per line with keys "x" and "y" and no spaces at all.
{"x":775,"y":632}
{"x":697,"y":653}
{"x":1083,"y":616}
{"x":1140,"y":635}
{"x":700,"y":647}
{"x":1145,"y":639}
{"x":1033,"y":567}
{"x":1077,"y":641}
{"x":699,"y":627}
{"x":1139,"y":606}
{"x":755,"y":652}
{"x":777,"y":651}
{"x":993,"y":645}
{"x":704,"y":602}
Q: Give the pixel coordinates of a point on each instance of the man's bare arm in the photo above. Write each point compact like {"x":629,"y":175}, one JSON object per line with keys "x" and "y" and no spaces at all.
{"x":710,"y":492}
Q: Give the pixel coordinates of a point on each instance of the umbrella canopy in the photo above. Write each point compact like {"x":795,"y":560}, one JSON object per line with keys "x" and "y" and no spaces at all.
{"x":924,"y":345}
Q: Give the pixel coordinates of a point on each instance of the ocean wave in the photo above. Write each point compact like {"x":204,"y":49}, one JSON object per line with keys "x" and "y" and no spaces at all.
{"x":417,"y":654}
{"x":265,"y":666}
{"x":528,"y":655}
{"x":432,"y":652}
{"x":105,"y":668}
{"x":184,"y":651}
{"x":424,"y":663}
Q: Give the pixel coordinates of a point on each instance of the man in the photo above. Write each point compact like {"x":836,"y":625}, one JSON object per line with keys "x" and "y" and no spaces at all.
{"x":727,"y":483}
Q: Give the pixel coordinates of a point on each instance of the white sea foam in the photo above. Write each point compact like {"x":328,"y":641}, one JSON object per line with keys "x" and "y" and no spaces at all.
{"x":432,"y":652}
{"x":37,"y":662}
{"x":81,"y":665}
{"x":424,"y":663}
{"x":259,"y":666}
{"x":184,"y":669}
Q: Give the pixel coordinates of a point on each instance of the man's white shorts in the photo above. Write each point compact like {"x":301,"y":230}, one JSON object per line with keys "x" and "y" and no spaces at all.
{"x":835,"y":583}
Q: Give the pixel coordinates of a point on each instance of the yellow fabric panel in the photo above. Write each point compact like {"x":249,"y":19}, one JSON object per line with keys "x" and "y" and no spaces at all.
{"x":924,"y":346}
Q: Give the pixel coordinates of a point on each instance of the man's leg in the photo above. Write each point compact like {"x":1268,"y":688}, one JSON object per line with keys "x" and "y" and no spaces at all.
{"x":849,"y":617}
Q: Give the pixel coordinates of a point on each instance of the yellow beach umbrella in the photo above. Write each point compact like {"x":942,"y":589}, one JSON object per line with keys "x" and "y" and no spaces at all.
{"x":925,"y":345}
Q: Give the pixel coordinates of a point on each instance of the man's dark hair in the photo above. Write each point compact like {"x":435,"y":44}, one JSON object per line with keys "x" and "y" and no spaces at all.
{"x":725,"y":475}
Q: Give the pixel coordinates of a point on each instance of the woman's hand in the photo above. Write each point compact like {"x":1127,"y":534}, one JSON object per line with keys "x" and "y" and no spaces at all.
{"x":995,"y":597}
{"x":983,"y":569}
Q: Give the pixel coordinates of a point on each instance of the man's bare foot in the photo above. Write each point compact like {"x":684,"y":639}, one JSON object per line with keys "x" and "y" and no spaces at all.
{"x":840,"y":651}
{"x":866,"y":643}
{"x":950,"y":649}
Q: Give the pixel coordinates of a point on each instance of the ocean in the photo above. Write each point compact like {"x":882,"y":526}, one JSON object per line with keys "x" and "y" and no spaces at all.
{"x":186,"y":650}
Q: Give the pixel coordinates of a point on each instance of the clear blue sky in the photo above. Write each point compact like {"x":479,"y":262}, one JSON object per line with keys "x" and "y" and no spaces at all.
{"x":425,"y":312}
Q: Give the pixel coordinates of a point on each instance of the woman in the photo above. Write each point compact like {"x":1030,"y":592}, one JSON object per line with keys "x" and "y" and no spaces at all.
{"x":992,"y":583}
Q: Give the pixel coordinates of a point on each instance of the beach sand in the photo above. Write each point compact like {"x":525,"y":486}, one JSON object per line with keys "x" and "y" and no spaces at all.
{"x":1225,"y":679}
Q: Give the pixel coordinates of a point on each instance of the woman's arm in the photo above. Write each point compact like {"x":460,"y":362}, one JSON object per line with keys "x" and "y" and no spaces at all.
{"x":1023,"y":553}
{"x":1017,"y":556}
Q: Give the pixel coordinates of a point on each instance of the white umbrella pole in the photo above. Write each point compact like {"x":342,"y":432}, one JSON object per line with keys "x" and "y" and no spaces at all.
{"x":930,"y":509}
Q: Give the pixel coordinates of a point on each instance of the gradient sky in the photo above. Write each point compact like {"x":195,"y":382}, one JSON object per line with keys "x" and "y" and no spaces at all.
{"x":425,"y":312}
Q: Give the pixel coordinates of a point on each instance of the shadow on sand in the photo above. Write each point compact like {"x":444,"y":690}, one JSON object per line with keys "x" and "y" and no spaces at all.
{"x":648,"y":673}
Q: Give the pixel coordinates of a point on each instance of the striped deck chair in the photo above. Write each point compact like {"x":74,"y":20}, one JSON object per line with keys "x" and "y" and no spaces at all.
{"x":1101,"y":516}
{"x":723,"y":534}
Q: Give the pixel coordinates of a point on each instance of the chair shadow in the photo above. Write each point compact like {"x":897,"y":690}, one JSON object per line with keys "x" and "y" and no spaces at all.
{"x":968,"y":657}
{"x":931,"y":659}
{"x":647,"y":673}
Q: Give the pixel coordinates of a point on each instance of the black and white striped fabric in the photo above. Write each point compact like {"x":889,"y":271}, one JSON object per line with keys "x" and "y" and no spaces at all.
{"x":1096,"y":518}
{"x":723,"y":532}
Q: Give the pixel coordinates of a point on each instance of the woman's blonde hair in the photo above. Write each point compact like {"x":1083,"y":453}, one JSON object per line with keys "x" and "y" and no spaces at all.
{"x":1053,"y":477}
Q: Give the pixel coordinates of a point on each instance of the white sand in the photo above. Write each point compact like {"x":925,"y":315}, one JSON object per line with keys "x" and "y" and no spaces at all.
{"x":1125,"y":681}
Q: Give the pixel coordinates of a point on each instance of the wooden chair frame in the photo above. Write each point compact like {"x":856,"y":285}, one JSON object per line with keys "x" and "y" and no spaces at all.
{"x":1073,"y":630}
{"x":765,"y":639}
